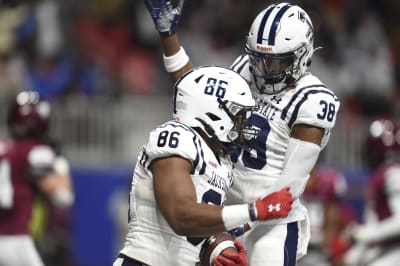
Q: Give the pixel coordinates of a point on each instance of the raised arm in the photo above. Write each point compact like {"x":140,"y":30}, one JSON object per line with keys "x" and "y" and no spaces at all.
{"x":166,"y":18}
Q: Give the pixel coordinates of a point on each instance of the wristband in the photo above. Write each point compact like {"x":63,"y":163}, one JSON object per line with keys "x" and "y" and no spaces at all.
{"x":253,"y":211}
{"x":177,"y":61}
{"x":234,"y":216}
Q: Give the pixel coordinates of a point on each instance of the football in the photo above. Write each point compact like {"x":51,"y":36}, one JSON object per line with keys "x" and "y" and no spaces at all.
{"x":214,"y":246}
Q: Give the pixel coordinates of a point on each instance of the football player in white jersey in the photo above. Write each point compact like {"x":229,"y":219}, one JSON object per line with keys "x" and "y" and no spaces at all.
{"x":184,"y":171}
{"x":295,"y":116}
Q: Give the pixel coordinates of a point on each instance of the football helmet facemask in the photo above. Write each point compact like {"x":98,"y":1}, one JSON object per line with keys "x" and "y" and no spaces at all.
{"x":28,"y":116}
{"x":218,"y":101}
{"x":280,"y":47}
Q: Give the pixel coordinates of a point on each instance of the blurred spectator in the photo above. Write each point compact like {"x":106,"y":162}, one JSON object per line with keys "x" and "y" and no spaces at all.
{"x":10,"y":17}
{"x":108,"y":38}
{"x":11,"y":67}
{"x":50,"y":77}
{"x":104,"y":48}
{"x":29,"y":166}
{"x":49,"y":32}
{"x":361,"y":72}
{"x":11,"y":75}
{"x":377,"y":240}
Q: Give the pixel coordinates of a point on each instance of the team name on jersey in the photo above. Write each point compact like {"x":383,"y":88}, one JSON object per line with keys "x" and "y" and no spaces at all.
{"x":267,"y":111}
{"x":220,"y":182}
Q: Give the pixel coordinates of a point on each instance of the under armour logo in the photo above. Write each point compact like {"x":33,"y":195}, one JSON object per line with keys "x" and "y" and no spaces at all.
{"x":276,"y":207}
{"x":276,"y":99}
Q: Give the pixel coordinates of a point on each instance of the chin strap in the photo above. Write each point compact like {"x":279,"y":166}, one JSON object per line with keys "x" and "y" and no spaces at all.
{"x":291,"y":82}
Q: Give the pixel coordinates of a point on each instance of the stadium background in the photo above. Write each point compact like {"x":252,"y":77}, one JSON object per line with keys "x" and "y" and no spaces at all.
{"x":99,"y":63}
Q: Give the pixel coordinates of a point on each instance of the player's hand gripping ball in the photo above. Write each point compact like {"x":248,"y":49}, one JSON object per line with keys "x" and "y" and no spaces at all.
{"x":222,"y":249}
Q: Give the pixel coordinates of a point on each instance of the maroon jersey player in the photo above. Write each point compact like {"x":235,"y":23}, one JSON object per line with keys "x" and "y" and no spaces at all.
{"x":329,"y":216}
{"x":28,"y":166}
{"x":377,"y":239}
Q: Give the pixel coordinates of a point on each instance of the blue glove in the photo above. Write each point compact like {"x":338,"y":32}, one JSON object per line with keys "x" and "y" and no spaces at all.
{"x":164,"y":15}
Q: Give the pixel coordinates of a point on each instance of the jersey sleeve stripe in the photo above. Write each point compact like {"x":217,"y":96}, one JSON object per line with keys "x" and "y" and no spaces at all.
{"x":203,"y":167}
{"x":199,"y":157}
{"x":143,"y":158}
{"x":239,"y":70}
{"x":174,"y":100}
{"x":241,"y":64}
{"x":305,"y":96}
{"x":177,"y":124}
{"x":237,"y":61}
{"x":286,"y":109}
{"x":196,"y":161}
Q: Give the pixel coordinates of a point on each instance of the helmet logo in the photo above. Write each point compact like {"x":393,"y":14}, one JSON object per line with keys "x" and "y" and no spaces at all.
{"x":302,"y":18}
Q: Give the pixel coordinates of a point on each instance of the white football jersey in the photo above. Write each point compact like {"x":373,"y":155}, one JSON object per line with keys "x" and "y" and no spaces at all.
{"x":150,"y":238}
{"x":257,"y":168}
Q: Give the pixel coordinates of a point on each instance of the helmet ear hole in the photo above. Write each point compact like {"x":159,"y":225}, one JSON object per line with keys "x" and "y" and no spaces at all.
{"x":309,"y":62}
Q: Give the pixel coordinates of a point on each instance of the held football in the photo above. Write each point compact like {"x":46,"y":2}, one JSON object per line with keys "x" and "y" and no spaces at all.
{"x":214,"y":246}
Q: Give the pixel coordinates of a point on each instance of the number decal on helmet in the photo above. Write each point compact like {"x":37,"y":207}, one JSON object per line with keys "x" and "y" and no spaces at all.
{"x":219,"y":91}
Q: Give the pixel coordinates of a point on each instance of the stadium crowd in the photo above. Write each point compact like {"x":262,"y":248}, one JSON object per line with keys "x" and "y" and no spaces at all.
{"x":103,"y":48}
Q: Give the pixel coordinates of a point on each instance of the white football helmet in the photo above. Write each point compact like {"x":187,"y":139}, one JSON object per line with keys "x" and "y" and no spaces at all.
{"x":280,"y":46}
{"x":219,"y":102}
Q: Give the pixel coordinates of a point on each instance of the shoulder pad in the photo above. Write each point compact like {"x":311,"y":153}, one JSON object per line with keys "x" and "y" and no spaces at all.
{"x":312,"y":104}
{"x":173,"y":139}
